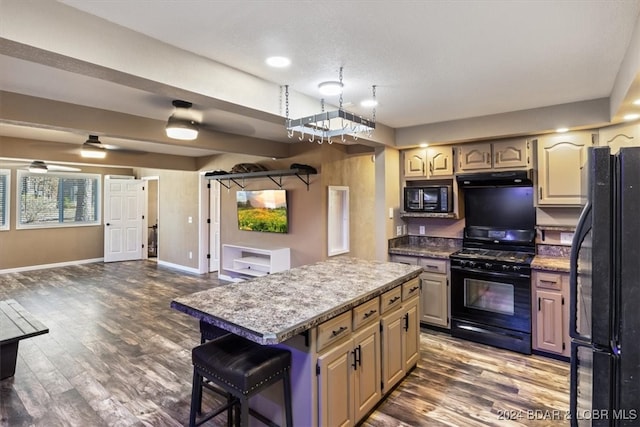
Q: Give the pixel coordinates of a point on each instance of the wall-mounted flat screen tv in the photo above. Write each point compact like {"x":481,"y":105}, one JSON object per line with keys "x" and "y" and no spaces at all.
{"x":263,"y":210}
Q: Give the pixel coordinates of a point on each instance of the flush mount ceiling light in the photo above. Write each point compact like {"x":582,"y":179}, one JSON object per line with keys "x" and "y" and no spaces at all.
{"x":92,"y":148}
{"x":631,"y":116}
{"x":326,"y":125}
{"x":330,"y":88}
{"x":179,"y":127}
{"x":278,"y":61}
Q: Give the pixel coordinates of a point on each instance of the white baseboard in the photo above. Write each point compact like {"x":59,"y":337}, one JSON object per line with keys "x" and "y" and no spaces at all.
{"x":179,"y":267}
{"x":54,"y":265}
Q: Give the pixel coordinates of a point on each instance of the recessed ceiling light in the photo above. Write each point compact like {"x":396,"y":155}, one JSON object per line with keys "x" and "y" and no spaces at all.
{"x":631,"y":116}
{"x":424,"y":145}
{"x":369,"y":103}
{"x":278,"y":61}
{"x":562,"y":130}
{"x":636,"y":102}
{"x":330,"y":88}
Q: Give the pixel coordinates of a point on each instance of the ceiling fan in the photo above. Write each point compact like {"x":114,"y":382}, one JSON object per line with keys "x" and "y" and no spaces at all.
{"x":38,"y":166}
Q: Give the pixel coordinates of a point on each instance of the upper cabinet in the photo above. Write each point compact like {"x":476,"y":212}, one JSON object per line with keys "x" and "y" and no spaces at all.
{"x":432,"y":162}
{"x":560,"y":157}
{"x":506,"y":154}
{"x":616,"y":137}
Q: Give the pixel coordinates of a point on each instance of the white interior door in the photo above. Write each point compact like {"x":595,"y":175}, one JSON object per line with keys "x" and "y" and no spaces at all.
{"x":123,"y":219}
{"x":214,"y":226}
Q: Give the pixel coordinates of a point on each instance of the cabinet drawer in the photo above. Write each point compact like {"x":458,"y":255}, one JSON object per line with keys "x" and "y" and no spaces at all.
{"x":334,"y":329}
{"x":549,"y":281}
{"x":391,"y":299}
{"x":431,"y":265}
{"x":411,"y":289}
{"x":404,"y":259}
{"x":365,"y":313}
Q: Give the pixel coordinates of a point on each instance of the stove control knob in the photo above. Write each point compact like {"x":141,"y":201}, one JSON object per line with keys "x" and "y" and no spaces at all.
{"x":516,"y":268}
{"x":488,"y":265}
{"x":472,"y":264}
{"x":505,"y":267}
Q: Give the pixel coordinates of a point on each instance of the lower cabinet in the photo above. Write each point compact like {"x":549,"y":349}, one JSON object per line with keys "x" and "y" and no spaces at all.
{"x":365,"y":352}
{"x":349,"y":383}
{"x":550,"y":318}
{"x":434,"y":301}
{"x":400,"y":328}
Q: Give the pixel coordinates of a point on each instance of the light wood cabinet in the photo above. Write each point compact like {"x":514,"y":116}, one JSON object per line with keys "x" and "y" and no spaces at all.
{"x":349,"y":365}
{"x":414,"y":162}
{"x":618,"y":136}
{"x":474,"y":157}
{"x":434,"y":300}
{"x":400,"y":329}
{"x":560,"y":157}
{"x":431,"y":162}
{"x":496,"y":155}
{"x":439,"y":161}
{"x":551,"y":312}
{"x":335,"y":386}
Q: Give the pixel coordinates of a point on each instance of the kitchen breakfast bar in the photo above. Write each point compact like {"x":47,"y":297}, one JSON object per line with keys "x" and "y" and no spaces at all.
{"x":352,"y":327}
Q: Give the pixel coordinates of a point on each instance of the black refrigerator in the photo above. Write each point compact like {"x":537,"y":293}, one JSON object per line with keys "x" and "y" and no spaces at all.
{"x":605,"y":293}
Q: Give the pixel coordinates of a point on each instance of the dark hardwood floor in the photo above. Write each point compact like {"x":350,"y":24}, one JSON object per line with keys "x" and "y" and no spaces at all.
{"x":118,"y":355}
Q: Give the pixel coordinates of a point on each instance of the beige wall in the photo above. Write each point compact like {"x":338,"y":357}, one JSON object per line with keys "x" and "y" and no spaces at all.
{"x":24,"y":248}
{"x":178,"y":199}
{"x":307,"y":235}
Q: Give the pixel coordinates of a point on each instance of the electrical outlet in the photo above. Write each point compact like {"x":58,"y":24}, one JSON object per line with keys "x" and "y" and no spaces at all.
{"x":190,"y":219}
{"x":399,"y":230}
{"x":190,"y":255}
{"x":566,"y":238}
{"x":404,"y":228}
{"x":422,"y":230}
{"x":390,"y":213}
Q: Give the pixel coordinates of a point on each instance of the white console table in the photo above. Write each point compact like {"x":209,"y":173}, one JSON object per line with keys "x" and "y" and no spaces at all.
{"x":242,"y":262}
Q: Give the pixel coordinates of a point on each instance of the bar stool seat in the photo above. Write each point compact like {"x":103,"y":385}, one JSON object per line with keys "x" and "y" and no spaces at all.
{"x":242,"y":368}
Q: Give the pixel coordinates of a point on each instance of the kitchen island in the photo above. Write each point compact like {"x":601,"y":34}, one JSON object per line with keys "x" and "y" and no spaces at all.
{"x":326,"y":314}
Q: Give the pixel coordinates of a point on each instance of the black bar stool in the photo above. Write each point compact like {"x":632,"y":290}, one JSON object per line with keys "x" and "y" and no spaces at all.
{"x":209,"y":332}
{"x":241,"y":368}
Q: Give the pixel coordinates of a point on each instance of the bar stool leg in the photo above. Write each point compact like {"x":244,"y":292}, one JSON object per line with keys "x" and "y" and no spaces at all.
{"x":196,"y":398}
{"x":244,"y":411}
{"x":287,"y":399}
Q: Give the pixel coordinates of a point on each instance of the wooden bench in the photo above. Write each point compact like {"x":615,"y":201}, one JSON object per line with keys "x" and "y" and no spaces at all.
{"x":16,"y":324}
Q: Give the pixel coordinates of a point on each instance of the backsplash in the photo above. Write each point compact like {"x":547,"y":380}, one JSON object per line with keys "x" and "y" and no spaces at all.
{"x":554,"y":250}
{"x":425,"y":242}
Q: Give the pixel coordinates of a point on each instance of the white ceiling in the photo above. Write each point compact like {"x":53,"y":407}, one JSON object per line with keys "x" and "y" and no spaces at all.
{"x":432,"y":61}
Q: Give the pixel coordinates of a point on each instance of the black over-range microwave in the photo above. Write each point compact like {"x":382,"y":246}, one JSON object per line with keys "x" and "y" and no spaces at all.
{"x":433,"y":198}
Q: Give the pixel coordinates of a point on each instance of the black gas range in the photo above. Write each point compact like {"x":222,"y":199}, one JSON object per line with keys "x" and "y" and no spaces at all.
{"x":491,"y":290}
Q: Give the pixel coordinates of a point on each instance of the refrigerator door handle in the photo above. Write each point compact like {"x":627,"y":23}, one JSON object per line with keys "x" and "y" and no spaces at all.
{"x":582,"y":230}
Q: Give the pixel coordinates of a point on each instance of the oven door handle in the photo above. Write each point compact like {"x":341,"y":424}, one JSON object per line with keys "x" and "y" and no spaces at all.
{"x":491,"y":273}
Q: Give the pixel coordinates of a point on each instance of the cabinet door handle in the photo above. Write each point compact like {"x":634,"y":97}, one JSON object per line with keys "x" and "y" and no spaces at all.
{"x":394,"y":299}
{"x":335,"y":333}
{"x":406,"y":322}
{"x":497,"y":158}
{"x":540,"y":193}
{"x":359,"y":358}
{"x":488,"y":157}
{"x":431,"y":266}
{"x":355,"y":359}
{"x":538,"y":303}
{"x":370,"y":313}
{"x":412,"y":290}
{"x":548,"y":281}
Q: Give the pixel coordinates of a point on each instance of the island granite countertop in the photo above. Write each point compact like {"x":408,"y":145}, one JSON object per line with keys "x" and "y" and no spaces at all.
{"x":273,"y":308}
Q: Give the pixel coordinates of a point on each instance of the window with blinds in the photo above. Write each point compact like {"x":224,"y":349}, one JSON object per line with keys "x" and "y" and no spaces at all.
{"x":58,"y":199}
{"x":5,"y":176}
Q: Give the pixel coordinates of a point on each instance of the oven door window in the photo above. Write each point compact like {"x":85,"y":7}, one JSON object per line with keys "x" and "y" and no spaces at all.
{"x":489,"y":296}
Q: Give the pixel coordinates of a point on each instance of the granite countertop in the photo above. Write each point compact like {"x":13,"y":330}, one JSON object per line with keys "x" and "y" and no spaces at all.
{"x":273,"y":308}
{"x":551,"y":263}
{"x":424,"y":251}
